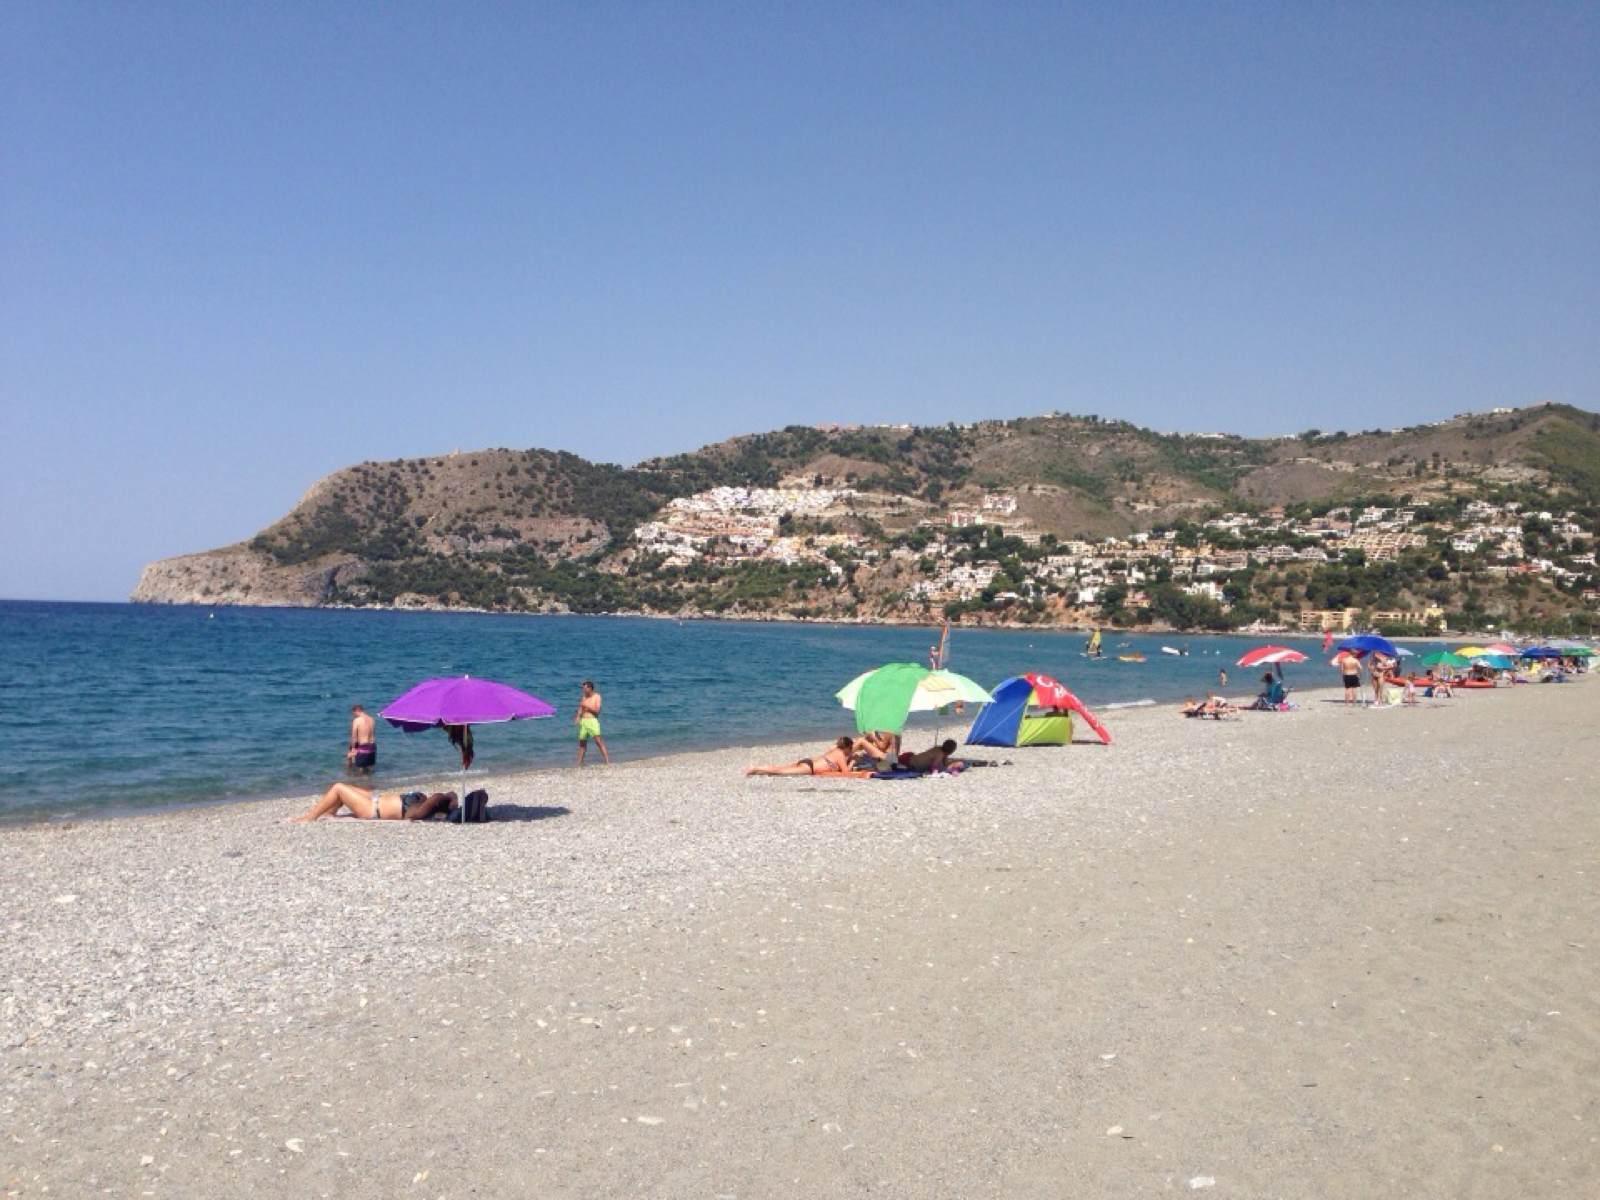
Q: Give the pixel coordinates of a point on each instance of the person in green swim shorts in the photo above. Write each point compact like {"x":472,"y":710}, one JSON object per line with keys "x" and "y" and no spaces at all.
{"x":587,"y":720}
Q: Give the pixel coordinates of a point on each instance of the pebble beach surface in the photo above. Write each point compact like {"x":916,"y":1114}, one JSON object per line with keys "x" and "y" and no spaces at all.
{"x":1322,"y":953}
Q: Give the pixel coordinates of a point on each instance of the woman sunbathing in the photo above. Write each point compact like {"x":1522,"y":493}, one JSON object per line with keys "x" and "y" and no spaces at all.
{"x":875,"y":749}
{"x":368,"y":805}
{"x":835,"y":761}
{"x":1211,"y":707}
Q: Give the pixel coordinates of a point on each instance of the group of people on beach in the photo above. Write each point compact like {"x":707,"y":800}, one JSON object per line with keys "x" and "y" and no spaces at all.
{"x":1274,"y":695}
{"x":362,"y":757}
{"x":877,"y":751}
{"x":1382,"y":675}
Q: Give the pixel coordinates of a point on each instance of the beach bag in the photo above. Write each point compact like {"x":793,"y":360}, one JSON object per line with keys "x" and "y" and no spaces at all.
{"x":474,"y":809}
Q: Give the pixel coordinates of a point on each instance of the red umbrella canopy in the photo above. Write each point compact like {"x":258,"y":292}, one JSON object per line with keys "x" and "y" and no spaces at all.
{"x":1049,"y":692}
{"x":1052,"y":693}
{"x":1270,"y":654}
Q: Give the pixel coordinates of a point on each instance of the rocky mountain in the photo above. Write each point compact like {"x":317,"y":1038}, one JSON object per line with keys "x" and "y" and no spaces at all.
{"x":820,"y":521}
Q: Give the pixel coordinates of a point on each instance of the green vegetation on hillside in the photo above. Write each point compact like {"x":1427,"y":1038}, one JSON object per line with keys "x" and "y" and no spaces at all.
{"x":518,"y":529}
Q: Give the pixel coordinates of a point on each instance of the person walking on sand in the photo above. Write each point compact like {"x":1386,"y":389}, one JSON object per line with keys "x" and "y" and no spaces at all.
{"x":587,"y":719}
{"x":362,"y":755}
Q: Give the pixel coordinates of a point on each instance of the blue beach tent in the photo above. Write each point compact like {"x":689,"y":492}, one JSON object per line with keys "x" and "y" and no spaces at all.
{"x":1005,"y":720}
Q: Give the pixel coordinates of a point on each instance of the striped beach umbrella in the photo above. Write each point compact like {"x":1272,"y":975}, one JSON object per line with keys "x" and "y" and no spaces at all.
{"x":1271,"y":655}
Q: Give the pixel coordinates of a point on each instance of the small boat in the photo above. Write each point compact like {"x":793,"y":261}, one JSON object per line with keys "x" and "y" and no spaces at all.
{"x":1172,"y":650}
{"x":1130,"y":658}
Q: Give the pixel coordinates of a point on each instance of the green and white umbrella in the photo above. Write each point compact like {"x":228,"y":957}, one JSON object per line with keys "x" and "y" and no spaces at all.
{"x":884,"y":698}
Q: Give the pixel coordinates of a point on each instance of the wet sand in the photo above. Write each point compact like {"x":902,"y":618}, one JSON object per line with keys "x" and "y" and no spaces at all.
{"x":1326,"y":953}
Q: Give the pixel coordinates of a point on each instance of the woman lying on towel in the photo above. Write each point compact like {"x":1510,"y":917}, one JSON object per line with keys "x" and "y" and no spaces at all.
{"x":368,"y":805}
{"x":835,"y":762}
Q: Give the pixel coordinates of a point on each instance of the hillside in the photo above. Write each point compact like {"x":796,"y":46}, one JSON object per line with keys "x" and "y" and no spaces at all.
{"x":851,"y":522}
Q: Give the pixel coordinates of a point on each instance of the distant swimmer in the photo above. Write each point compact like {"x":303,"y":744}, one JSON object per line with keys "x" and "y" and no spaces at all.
{"x":587,"y":719}
{"x":362,"y":755}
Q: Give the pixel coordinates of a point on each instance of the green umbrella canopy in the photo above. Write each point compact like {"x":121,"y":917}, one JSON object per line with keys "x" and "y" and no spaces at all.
{"x":882,"y":699}
{"x":1443,"y":658}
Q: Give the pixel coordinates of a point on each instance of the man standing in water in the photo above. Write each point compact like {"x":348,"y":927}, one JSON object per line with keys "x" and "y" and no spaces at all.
{"x":588,"y":722}
{"x":363,"y":753}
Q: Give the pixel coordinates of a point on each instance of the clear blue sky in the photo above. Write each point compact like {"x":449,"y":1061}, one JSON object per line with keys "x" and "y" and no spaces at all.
{"x":244,"y":245}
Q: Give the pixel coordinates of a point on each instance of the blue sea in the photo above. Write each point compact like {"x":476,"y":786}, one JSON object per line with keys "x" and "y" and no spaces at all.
{"x":112,"y":708}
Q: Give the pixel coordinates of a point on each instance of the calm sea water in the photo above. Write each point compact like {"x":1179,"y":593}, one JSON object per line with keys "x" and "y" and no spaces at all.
{"x":116,"y":707}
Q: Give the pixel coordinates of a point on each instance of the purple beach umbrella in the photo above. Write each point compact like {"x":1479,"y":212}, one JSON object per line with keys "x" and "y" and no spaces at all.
{"x":463,"y":700}
{"x":456,"y":703}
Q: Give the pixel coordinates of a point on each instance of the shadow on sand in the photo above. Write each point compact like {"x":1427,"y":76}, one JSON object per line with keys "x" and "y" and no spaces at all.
{"x":526,"y":812}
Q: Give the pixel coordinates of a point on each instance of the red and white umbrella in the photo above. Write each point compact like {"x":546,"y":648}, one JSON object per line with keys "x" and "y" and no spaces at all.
{"x":1271,"y":655}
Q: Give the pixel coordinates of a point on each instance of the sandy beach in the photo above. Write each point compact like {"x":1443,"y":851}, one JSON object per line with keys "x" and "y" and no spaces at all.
{"x":1328,"y":953}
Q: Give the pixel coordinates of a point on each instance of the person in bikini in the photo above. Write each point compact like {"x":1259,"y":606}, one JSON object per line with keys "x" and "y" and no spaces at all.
{"x":836,"y":760}
{"x":1378,"y":672}
{"x":367,"y":805}
{"x":875,"y":749}
{"x":362,"y":755}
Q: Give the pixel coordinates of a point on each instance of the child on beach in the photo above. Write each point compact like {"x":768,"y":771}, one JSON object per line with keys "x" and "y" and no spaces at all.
{"x":1411,"y":691}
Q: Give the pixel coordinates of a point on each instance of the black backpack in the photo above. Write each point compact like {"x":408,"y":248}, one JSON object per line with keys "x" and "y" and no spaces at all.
{"x":474,"y":810}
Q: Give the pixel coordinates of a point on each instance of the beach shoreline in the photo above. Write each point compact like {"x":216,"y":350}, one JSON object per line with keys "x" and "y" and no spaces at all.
{"x":924,"y":622}
{"x":443,"y":781}
{"x":1258,"y":973}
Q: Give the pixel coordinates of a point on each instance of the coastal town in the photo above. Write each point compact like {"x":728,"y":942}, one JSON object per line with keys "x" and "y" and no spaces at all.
{"x":1482,"y":520}
{"x":984,"y":557}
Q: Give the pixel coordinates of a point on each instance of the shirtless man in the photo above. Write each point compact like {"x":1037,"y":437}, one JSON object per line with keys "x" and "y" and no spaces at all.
{"x":835,"y":760}
{"x":1349,"y":674}
{"x":368,"y":805}
{"x":363,"y":753}
{"x":587,"y":719}
{"x":935,"y":758}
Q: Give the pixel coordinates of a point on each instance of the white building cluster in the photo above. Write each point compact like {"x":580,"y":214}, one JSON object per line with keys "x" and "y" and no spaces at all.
{"x":730,"y":524}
